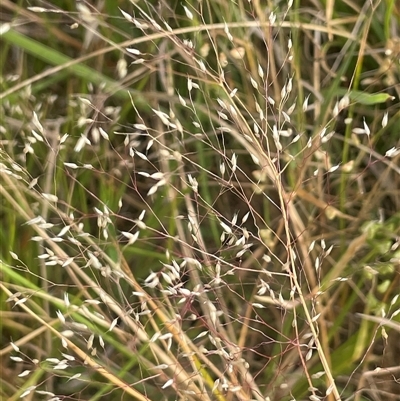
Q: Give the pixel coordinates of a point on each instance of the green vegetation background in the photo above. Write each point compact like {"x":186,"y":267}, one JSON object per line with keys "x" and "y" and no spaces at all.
{"x":260,"y":140}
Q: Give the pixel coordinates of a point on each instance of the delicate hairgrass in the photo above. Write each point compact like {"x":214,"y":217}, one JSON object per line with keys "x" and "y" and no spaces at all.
{"x":185,"y":212}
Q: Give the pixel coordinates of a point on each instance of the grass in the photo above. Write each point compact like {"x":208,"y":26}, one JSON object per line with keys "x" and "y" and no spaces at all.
{"x":200,"y":200}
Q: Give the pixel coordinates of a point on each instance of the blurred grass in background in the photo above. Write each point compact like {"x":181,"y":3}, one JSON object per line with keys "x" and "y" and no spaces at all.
{"x":200,"y":200}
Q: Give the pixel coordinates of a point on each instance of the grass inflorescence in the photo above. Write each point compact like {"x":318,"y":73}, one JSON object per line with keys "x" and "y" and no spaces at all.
{"x":200,"y":200}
